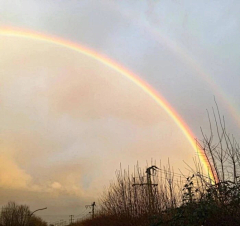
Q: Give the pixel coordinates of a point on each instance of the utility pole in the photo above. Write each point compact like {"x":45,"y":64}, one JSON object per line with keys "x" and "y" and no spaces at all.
{"x":150,"y":171}
{"x":91,"y":206}
{"x":71,"y":219}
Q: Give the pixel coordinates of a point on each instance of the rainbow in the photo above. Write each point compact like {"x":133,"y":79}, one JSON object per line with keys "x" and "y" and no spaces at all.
{"x":14,"y":32}
{"x":182,"y":54}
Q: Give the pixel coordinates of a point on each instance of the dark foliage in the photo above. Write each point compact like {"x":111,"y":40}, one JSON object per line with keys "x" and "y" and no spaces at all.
{"x":19,"y":215}
{"x":201,"y":200}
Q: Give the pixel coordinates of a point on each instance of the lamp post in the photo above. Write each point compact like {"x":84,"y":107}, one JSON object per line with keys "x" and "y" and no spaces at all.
{"x":33,"y":213}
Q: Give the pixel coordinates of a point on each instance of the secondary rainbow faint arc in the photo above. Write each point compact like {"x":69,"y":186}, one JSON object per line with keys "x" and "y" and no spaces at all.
{"x":6,"y":31}
{"x":179,"y":51}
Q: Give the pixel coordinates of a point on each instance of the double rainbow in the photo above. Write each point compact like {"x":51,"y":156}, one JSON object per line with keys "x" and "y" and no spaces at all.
{"x":7,"y":31}
{"x":183,"y":55}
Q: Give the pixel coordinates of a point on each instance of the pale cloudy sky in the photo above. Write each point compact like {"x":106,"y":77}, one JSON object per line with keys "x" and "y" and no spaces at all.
{"x":67,"y":121}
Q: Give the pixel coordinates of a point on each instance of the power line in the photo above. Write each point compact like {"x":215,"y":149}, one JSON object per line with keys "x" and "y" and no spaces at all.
{"x":173,"y":174}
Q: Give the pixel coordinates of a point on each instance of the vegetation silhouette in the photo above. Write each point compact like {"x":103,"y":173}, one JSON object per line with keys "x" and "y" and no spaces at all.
{"x":179,"y":200}
{"x":157,"y":196}
{"x":19,"y":215}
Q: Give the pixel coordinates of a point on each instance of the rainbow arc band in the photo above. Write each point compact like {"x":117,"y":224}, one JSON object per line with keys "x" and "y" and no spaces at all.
{"x":16,"y":32}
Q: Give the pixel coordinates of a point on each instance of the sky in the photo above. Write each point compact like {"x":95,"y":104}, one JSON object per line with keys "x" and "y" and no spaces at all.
{"x":68,"y":120}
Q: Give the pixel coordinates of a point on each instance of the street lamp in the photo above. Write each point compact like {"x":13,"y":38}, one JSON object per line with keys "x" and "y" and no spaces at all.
{"x":33,"y":213}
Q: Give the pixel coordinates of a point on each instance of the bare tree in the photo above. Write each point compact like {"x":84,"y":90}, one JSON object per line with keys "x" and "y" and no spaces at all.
{"x":13,"y":214}
{"x":18,"y":215}
{"x":222,"y":152}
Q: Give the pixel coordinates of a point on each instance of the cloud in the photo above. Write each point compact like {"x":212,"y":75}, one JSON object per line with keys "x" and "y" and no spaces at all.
{"x":14,"y":178}
{"x":56,"y":185}
{"x":11,"y":175}
{"x":68,"y":121}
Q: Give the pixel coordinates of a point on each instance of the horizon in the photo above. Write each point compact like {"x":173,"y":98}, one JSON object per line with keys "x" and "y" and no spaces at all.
{"x":137,"y":90}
